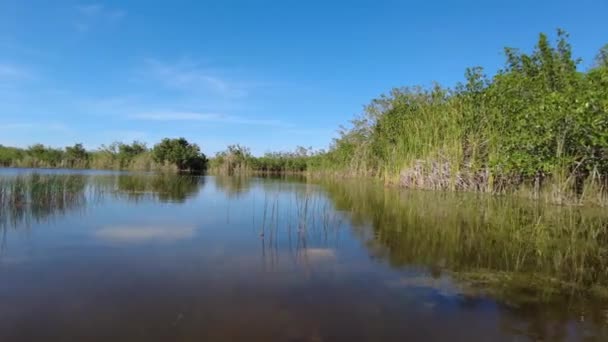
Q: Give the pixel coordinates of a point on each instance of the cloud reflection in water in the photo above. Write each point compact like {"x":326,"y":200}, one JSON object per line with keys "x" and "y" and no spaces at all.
{"x":144,"y":234}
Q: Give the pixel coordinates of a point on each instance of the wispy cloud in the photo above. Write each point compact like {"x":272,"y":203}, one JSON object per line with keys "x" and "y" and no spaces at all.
{"x":176,"y":116}
{"x":205,"y":117}
{"x":12,"y":72}
{"x":189,"y":76}
{"x":38,"y":126}
{"x":22,"y":134}
{"x":12,"y":126}
{"x":91,"y":15}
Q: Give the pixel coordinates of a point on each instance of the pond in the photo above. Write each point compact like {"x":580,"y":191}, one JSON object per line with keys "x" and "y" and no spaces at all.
{"x":111,"y":256}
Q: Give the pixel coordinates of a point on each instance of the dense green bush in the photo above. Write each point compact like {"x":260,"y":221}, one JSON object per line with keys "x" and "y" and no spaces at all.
{"x":181,"y":153}
{"x":9,"y":154}
{"x":540,"y":118}
{"x":238,"y":159}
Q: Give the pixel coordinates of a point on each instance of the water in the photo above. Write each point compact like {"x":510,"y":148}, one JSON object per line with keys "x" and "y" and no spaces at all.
{"x":101,"y":256}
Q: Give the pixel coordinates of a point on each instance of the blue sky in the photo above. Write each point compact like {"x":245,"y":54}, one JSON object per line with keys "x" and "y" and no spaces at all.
{"x":268,"y":74}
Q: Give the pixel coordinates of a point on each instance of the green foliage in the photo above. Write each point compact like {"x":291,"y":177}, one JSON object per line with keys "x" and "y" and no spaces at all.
{"x":181,"y":153}
{"x":76,"y":156}
{"x":116,"y":156}
{"x":538,"y":118}
{"x":121,"y":156}
{"x":237,"y":159}
{"x":39,"y":155}
{"x":539,"y":121}
{"x":601,"y":60}
{"x":10,"y":154}
{"x":296,"y":161}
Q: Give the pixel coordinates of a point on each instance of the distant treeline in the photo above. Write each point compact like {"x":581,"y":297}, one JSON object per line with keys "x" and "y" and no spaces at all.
{"x":539,"y":123}
{"x":169,"y":154}
{"x":238,"y":159}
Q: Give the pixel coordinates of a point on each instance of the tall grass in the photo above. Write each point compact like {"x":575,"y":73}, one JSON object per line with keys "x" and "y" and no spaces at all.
{"x":300,"y":221}
{"x":538,"y":126}
{"x":39,"y":197}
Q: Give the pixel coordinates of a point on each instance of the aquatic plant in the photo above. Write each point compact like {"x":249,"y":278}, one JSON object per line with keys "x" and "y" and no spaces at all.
{"x":39,"y":197}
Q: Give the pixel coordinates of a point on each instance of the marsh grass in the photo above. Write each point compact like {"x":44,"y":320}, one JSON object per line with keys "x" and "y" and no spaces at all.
{"x":537,"y":128}
{"x":39,"y":197}
{"x":302,"y":222}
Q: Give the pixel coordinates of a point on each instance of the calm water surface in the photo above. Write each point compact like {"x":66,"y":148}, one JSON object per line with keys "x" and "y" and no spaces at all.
{"x":103,"y":256}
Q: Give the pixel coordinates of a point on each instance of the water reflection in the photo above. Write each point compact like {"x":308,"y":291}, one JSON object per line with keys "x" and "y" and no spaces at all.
{"x":164,"y":187}
{"x":233,"y":186}
{"x":482,"y":238}
{"x":545,"y":263}
{"x":143,"y":234}
{"x":42,"y":196}
{"x":315,"y":257}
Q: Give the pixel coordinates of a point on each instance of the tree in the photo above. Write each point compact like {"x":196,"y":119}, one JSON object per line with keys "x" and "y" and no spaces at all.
{"x":601,"y":60}
{"x":181,"y":153}
{"x":76,"y":155}
{"x":127,"y":153}
{"x":44,"y":156}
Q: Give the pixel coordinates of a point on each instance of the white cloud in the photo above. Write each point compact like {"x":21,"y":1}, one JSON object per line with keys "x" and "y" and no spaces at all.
{"x":12,"y":126}
{"x":176,"y":116}
{"x":204,"y":117}
{"x":191,"y":77}
{"x":39,"y":126}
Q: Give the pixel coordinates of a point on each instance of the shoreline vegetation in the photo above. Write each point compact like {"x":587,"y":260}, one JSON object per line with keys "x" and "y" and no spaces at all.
{"x":537,"y":128}
{"x":168,"y":155}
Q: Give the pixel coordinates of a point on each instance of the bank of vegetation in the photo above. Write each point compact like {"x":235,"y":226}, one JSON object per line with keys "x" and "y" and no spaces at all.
{"x":539,"y":121}
{"x":540,"y":125}
{"x":237,"y":159}
{"x":168,"y":155}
